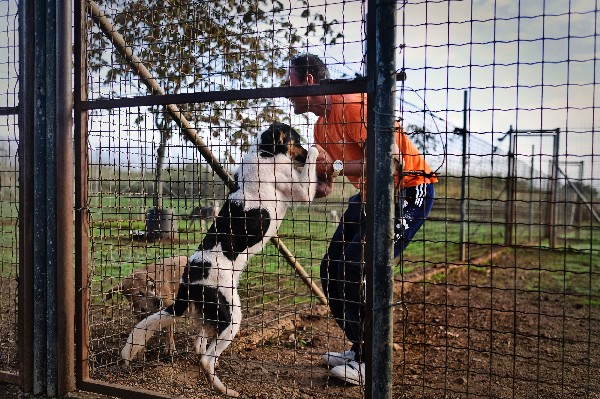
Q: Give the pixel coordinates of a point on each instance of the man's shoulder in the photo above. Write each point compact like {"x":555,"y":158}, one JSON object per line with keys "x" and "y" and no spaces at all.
{"x":345,"y":104}
{"x":349,"y":99}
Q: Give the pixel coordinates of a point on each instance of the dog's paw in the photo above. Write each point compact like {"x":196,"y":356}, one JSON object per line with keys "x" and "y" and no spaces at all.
{"x":313,"y":153}
{"x":127,"y":353}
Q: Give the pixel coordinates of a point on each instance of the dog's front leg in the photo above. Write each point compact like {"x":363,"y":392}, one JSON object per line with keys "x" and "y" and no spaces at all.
{"x":143,"y":331}
{"x":170,"y":346}
{"x":306,"y":188}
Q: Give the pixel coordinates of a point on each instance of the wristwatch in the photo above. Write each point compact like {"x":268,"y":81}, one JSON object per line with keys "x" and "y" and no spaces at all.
{"x":338,"y":166}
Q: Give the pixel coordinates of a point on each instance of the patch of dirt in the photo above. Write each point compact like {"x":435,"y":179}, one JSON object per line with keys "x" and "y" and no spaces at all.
{"x":478,"y":333}
{"x":459,"y":332}
{"x":9,"y":361}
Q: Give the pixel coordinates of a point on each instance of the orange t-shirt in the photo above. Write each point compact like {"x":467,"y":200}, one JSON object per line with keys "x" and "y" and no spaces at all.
{"x":343,"y":134}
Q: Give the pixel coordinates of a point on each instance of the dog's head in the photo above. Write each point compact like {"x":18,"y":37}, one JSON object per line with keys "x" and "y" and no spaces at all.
{"x":142,"y":292}
{"x":280,"y":138}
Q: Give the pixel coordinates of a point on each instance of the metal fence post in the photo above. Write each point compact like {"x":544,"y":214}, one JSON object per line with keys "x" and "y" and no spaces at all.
{"x":80,"y":138}
{"x":381,"y":69}
{"x":65,"y":285}
{"x":510,"y":191}
{"x":530,"y":216}
{"x":46,"y":213}
{"x":26,"y":134}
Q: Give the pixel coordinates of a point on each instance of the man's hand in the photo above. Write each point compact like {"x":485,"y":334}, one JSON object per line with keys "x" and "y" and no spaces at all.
{"x":324,"y":165}
{"x":324,"y":172}
{"x":324,"y":188}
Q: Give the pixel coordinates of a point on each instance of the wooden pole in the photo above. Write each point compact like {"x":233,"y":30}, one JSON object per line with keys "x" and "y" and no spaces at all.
{"x":139,"y":69}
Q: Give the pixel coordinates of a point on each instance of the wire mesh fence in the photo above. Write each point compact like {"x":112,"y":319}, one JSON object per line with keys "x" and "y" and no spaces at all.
{"x":278,"y":306}
{"x":9,"y":189}
{"x":497,"y":294}
{"x":513,"y":198}
{"x":279,"y":288}
{"x":515,"y":319}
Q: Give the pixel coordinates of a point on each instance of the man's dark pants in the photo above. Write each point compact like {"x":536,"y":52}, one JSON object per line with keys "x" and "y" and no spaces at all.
{"x":342,"y":268}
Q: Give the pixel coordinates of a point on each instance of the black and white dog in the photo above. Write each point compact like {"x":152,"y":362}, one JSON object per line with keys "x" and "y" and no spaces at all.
{"x":268,"y":181}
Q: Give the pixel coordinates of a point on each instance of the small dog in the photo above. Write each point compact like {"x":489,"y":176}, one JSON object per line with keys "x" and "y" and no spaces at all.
{"x":152,"y":288}
{"x":267,"y":182}
{"x":202,"y":214}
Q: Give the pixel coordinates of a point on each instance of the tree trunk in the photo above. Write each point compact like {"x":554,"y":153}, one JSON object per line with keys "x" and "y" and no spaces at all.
{"x":160,"y":161}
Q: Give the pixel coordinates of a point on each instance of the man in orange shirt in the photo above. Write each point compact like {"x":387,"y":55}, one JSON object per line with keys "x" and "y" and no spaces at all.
{"x":340,"y":133}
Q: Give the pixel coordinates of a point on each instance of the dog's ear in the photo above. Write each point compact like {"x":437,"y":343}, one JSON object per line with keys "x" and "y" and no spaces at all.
{"x":274,"y":140}
{"x":267,"y":143}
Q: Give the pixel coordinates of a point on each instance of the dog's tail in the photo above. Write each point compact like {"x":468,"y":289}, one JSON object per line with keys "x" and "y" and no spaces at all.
{"x":143,"y":331}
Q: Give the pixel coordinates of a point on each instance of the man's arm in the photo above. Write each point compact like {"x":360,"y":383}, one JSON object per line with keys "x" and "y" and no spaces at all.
{"x":324,"y":188}
{"x":325,"y":171}
{"x":325,"y":165}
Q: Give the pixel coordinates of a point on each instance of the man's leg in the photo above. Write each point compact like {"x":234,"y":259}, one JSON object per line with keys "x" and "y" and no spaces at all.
{"x":333,"y":269}
{"x":351,"y":275}
{"x":351,"y":282}
{"x":417,"y":205}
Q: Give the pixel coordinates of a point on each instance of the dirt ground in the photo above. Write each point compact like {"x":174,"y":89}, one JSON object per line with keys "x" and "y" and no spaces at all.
{"x":459,"y":332}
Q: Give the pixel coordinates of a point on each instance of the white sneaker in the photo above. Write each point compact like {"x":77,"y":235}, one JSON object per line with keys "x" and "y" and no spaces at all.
{"x":334,"y":359}
{"x":352,"y":372}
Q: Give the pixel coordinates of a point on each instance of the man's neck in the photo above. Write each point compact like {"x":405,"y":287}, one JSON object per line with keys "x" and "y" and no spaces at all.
{"x":322,"y":108}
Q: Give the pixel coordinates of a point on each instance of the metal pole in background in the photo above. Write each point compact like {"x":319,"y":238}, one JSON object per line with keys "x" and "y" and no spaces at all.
{"x":463,"y":186}
{"x":553,"y":191}
{"x":508,"y":222}
{"x":381,"y":71}
{"x":530,"y":223}
{"x":578,"y":212}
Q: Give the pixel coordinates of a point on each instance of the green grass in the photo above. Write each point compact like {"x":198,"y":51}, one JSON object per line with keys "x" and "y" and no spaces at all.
{"x":306,"y":231}
{"x":9,"y":249}
{"x":568,"y":273}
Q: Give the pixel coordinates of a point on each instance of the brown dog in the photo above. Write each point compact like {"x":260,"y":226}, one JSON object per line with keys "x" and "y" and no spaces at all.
{"x":152,"y":288}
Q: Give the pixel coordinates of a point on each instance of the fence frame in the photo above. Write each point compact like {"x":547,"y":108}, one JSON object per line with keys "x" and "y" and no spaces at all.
{"x":46,"y":270}
{"x":511,"y":181}
{"x":380,"y":60}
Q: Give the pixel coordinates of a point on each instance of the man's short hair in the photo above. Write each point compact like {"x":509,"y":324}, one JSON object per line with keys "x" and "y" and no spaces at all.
{"x":309,"y":63}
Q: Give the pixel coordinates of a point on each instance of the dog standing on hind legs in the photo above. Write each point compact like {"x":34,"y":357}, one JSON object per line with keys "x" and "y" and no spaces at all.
{"x":268,"y":181}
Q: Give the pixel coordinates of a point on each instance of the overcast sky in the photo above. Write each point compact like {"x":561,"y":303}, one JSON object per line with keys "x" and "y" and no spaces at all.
{"x":526,"y":64}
